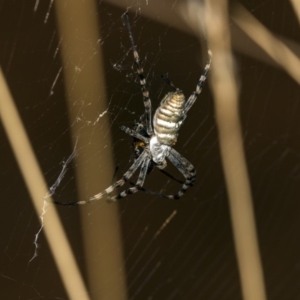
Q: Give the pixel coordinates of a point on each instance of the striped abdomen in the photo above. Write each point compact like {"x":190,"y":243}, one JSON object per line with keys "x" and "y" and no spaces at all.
{"x":168,"y":118}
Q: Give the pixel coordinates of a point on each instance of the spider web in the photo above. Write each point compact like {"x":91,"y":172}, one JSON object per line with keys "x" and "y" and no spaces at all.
{"x":169,"y":249}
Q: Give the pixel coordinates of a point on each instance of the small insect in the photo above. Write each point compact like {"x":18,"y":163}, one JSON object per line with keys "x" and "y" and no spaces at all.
{"x":154,"y":139}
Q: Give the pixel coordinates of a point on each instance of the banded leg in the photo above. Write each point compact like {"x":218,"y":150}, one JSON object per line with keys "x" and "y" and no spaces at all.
{"x":137,"y":186}
{"x":111,"y":188}
{"x":189,"y":103}
{"x":187,"y":170}
{"x":140,"y":72}
{"x":134,"y":134}
{"x":169,"y":82}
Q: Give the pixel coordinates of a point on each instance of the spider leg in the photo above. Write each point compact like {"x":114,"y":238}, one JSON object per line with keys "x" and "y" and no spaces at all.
{"x":147,"y":191}
{"x":111,"y":188}
{"x":135,"y":134}
{"x":187,"y":170}
{"x":171,"y":176}
{"x":139,"y":184}
{"x":189,"y":103}
{"x":121,"y":182}
{"x":140,"y":72}
{"x":169,"y":82}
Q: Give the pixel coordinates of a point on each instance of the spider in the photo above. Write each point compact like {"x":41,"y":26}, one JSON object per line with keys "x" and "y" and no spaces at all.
{"x":154,"y":139}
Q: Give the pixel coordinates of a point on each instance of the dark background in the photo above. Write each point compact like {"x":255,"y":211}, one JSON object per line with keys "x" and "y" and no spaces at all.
{"x":194,"y":256}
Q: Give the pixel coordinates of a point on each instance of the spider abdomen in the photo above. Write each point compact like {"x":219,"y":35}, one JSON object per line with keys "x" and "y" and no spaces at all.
{"x":169,"y":117}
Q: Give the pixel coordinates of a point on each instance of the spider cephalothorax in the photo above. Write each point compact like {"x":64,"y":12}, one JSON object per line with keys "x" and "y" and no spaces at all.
{"x":153,"y":140}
